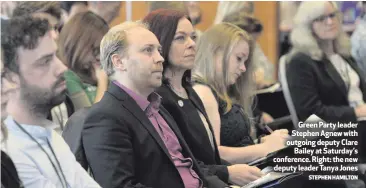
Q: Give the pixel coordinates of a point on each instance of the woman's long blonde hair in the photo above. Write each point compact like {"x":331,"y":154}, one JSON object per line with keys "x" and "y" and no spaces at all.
{"x":221,"y":39}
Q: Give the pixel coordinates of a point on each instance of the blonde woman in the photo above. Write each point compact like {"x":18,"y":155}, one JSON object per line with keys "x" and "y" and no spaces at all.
{"x":320,"y":64}
{"x":223,"y":54}
{"x":323,"y":78}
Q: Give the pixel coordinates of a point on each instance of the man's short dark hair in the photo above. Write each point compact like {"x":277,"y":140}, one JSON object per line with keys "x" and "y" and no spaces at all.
{"x":22,"y":31}
{"x":29,"y":7}
{"x":66,"y":5}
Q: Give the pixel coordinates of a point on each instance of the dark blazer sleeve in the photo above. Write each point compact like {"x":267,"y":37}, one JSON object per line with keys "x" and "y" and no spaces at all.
{"x":220,"y":171}
{"x":111,"y":161}
{"x":303,"y":81}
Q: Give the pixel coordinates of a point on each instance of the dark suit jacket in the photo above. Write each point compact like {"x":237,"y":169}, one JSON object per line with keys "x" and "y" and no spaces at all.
{"x":317,"y":88}
{"x":195,"y":135}
{"x":123,"y":148}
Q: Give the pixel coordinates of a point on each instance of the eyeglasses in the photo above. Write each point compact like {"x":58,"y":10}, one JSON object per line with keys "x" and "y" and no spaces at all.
{"x":324,"y":18}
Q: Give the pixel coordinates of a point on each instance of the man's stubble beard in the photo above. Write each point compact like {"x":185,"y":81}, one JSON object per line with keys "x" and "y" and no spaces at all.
{"x":39,"y":100}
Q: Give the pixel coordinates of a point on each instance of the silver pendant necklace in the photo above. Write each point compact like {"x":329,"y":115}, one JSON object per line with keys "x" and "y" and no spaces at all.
{"x":180,"y":94}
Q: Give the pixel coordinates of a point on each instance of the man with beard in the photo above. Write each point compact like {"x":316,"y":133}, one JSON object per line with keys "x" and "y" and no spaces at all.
{"x":41,"y":156}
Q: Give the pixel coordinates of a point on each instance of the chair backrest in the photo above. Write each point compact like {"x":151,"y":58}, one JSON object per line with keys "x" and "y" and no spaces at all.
{"x":72,"y":135}
{"x":286,"y":90}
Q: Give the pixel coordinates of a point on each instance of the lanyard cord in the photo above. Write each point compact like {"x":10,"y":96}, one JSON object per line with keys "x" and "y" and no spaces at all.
{"x":63,"y":181}
{"x":58,"y":162}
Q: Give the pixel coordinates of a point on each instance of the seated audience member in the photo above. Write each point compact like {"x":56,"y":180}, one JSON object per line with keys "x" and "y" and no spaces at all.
{"x":194,"y":12}
{"x":359,"y":41}
{"x":224,"y":53}
{"x":9,"y":174}
{"x":129,"y":139}
{"x":7,"y":8}
{"x":50,"y":10}
{"x":41,"y":156}
{"x":79,"y":50}
{"x":323,"y":78}
{"x":178,"y":38}
{"x":264,"y":69}
{"x":191,"y":8}
{"x":108,"y":10}
{"x":71,"y":8}
{"x":225,"y":8}
{"x":171,"y":5}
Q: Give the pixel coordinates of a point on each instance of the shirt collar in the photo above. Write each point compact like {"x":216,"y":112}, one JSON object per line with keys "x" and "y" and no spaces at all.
{"x":37,"y":131}
{"x":153,"y":100}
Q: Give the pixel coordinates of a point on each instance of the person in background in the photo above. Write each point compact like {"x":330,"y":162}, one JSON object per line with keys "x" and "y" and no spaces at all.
{"x":191,"y":8}
{"x":322,"y":77}
{"x":108,"y":10}
{"x":177,"y":36}
{"x":71,"y":8}
{"x":223,"y":55}
{"x":225,"y":8}
{"x":50,"y":10}
{"x":358,"y":41}
{"x":287,"y":13}
{"x":7,"y":8}
{"x":171,"y":5}
{"x":80,"y":52}
{"x":194,"y":12}
{"x":41,"y":156}
{"x":9,"y":174}
{"x":128,"y":129}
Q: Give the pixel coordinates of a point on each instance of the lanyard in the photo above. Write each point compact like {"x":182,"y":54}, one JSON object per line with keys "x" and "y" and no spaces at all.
{"x":63,"y":179}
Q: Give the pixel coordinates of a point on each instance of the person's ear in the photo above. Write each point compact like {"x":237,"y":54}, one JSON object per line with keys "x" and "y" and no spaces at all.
{"x":12,"y":80}
{"x":118,"y":62}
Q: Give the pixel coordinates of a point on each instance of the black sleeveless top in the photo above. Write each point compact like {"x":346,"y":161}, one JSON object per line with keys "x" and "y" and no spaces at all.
{"x":235,"y":125}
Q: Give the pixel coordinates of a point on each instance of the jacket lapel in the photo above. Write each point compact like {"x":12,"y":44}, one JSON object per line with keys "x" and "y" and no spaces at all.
{"x":334,"y":75}
{"x":139,"y":114}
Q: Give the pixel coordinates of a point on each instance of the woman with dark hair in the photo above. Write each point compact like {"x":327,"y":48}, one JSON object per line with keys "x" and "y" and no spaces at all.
{"x":79,"y":49}
{"x":177,"y":37}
